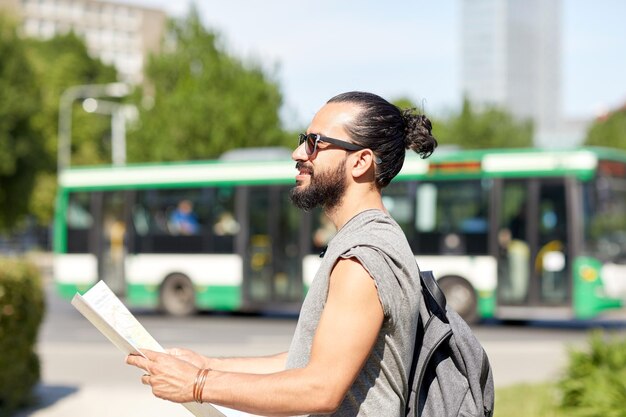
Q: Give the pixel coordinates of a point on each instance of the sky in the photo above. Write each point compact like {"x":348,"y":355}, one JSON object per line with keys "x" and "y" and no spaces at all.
{"x":317,"y":49}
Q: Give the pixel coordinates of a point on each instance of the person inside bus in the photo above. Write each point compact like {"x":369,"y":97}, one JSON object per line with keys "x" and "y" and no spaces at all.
{"x":183,"y":220}
{"x":353,"y":344}
{"x":324,"y":233}
{"x":226,"y":225}
{"x":517,"y":253}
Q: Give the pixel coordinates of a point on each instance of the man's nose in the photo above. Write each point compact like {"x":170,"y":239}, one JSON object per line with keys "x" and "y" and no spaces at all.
{"x":299,"y":154}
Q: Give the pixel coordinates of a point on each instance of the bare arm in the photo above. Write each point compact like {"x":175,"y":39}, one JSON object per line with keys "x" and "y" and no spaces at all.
{"x":252,"y":365}
{"x":347,"y":331}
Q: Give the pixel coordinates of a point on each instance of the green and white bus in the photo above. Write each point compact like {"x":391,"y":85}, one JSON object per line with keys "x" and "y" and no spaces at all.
{"x":511,"y":234}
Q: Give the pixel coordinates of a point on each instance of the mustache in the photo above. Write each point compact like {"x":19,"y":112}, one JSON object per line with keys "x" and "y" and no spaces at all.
{"x":301,"y":166}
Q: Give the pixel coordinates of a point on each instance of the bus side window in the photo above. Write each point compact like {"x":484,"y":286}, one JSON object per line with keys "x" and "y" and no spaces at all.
{"x":398,"y":201}
{"x":141,"y":220}
{"x":170,"y":221}
{"x":323,"y":231}
{"x":79,"y":223}
{"x":224,"y":226}
{"x":451,"y":217}
{"x":513,"y":265}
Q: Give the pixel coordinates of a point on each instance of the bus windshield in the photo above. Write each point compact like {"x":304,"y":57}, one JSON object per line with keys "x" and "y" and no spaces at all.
{"x":605,"y":218}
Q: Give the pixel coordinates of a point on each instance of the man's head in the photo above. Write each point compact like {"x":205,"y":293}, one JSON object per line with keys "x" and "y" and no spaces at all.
{"x":321,"y":159}
{"x":185,"y":206}
{"x":358,"y":136}
{"x":387,"y":131}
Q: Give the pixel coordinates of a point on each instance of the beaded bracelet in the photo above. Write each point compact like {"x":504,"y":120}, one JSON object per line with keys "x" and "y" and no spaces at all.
{"x":198,"y":385}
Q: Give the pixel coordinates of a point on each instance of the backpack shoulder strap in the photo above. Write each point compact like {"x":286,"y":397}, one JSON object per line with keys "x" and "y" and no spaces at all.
{"x":432,"y":330}
{"x":429,"y":284}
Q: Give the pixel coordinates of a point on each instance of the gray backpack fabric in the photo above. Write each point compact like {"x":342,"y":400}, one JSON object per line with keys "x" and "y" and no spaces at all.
{"x":450,"y":374}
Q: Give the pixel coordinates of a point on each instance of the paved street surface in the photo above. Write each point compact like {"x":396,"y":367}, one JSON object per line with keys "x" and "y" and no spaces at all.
{"x":83,"y":375}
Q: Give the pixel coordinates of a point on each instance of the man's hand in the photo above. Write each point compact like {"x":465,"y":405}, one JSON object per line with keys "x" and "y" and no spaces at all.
{"x":171,"y":378}
{"x":190,"y":356}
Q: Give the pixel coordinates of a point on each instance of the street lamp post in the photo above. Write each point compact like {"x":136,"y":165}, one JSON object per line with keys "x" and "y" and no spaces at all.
{"x":65,"y":113}
{"x":119,"y":113}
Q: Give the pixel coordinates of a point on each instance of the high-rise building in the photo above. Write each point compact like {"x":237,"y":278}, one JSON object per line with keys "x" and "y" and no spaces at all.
{"x":121,"y":35}
{"x":511,"y":57}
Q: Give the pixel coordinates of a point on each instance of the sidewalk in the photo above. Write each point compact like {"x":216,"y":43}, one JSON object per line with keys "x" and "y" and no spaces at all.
{"x":102,"y":385}
{"x":94,"y":401}
{"x":121,"y":401}
{"x":93,"y":382}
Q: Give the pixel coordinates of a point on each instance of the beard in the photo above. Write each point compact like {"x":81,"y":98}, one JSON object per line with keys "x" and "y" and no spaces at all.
{"x":324,"y":190}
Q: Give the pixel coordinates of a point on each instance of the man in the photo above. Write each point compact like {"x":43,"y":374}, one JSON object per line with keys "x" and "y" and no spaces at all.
{"x":183,"y":221}
{"x":352,"y":349}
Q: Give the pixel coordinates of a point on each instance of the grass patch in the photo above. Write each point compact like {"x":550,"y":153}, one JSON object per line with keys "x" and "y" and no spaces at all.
{"x":593,"y":385}
{"x":528,"y":400}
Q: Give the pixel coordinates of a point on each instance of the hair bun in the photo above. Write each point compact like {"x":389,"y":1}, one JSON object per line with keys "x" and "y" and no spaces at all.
{"x":418,"y":133}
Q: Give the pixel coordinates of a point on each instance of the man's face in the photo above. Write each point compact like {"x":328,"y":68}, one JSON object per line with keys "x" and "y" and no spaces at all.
{"x":325,"y":188}
{"x":321,"y":179}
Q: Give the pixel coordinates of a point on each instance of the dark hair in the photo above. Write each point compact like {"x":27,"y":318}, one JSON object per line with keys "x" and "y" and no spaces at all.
{"x":387,"y":131}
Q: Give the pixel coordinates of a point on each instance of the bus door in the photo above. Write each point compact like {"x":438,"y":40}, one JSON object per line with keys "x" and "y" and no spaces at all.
{"x":111,"y":228}
{"x":272,"y":270}
{"x":533,"y":242}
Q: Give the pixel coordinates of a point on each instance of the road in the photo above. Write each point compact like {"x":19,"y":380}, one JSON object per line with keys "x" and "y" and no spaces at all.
{"x":81,"y":369}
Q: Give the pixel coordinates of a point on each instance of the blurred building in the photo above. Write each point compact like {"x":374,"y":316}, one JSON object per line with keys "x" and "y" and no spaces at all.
{"x":121,"y":35}
{"x":511,"y":57}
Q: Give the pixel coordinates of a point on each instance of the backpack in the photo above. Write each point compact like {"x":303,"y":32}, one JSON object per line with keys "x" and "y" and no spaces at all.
{"x":450,"y":374}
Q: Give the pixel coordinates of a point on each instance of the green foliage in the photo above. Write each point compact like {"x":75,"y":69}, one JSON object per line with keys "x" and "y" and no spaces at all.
{"x":205,"y":101}
{"x":33,"y":74}
{"x":59,"y":63}
{"x":21,"y":313}
{"x":20,"y":140}
{"x":609,"y":131}
{"x":594,"y":384}
{"x":490,"y":128}
{"x":528,"y":400}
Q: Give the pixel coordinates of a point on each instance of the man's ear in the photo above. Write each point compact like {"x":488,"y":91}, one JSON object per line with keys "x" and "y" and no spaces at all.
{"x":362,"y":163}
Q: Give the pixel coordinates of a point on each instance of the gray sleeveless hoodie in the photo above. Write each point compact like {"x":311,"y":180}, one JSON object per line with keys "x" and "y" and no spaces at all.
{"x":379,"y":244}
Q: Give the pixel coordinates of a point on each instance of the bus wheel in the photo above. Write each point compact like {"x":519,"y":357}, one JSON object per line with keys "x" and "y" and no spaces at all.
{"x":178,"y":298}
{"x":461,"y":296}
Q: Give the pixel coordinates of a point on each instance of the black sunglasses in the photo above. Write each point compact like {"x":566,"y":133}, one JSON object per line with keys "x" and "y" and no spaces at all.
{"x":312,"y":139}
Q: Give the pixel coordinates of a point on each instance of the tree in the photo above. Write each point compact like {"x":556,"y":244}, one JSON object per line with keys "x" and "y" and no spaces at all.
{"x":609,"y":131}
{"x":205,"y":101}
{"x":21,"y":143}
{"x":59,"y":63}
{"x":490,"y":128}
